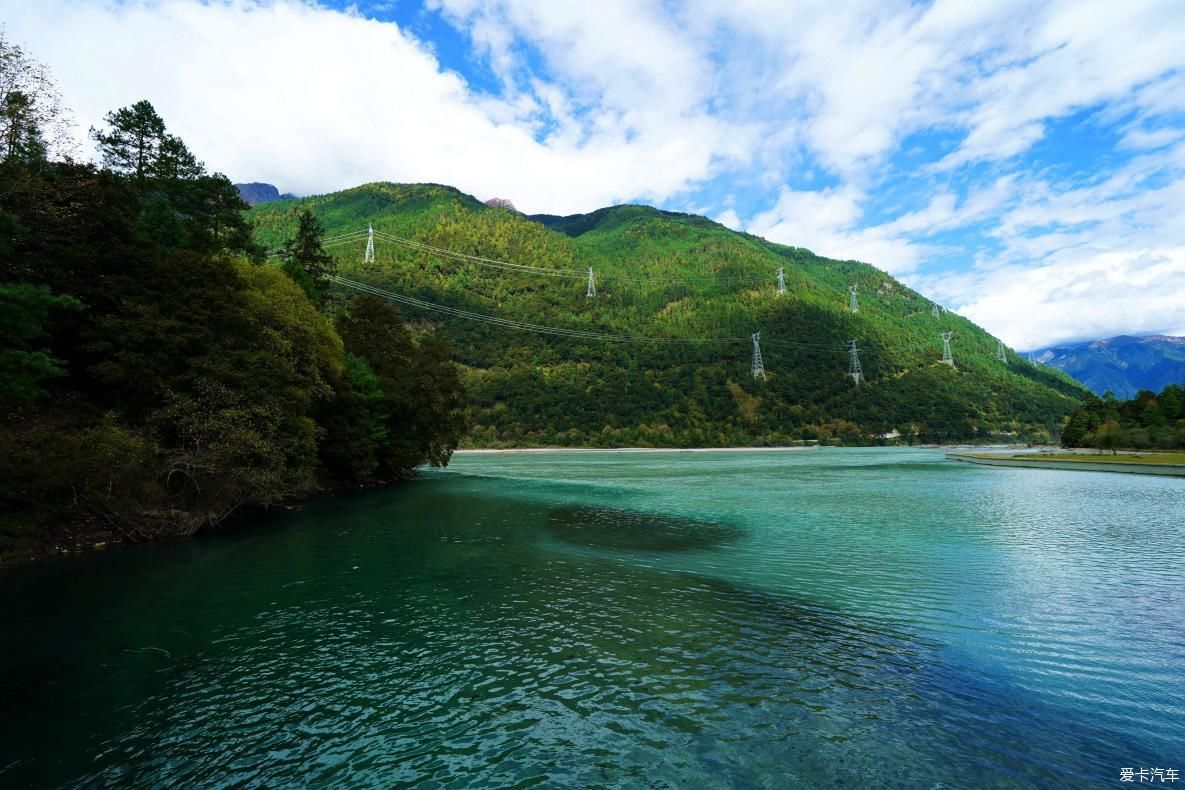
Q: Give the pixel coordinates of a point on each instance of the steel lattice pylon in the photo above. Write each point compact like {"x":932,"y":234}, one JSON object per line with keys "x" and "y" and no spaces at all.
{"x":947,"y":357}
{"x":758,"y":366}
{"x":369,"y":256}
{"x":854,"y":370}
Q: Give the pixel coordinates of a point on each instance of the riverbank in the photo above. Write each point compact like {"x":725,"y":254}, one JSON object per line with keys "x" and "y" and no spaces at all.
{"x":1165,"y":464}
{"x":22,"y":543}
{"x":602,"y":450}
{"x":796,"y":448}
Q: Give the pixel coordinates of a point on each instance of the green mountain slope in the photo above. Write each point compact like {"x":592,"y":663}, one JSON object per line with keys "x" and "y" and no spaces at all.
{"x":668,"y":275}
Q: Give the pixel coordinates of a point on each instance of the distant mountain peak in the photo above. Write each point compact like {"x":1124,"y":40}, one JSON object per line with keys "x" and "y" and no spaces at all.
{"x":256,"y":192}
{"x":498,"y":202}
{"x":1122,"y":365}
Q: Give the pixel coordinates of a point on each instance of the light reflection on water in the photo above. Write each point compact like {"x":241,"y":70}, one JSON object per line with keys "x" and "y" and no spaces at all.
{"x":673,"y":619}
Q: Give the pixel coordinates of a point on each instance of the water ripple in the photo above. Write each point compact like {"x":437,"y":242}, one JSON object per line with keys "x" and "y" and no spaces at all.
{"x":645,"y":622}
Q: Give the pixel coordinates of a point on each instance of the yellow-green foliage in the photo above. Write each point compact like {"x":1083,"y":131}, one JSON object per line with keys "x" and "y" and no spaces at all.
{"x":661,"y":274}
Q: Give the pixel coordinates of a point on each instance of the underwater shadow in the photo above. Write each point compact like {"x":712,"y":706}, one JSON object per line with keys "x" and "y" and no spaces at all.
{"x":609,"y":528}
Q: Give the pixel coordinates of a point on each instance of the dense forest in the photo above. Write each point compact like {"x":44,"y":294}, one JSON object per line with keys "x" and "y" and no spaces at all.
{"x":156,"y":375}
{"x":1146,"y":422}
{"x":674,"y":277}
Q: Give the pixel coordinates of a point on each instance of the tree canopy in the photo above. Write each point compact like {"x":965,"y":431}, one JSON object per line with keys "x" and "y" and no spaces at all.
{"x":155,"y":378}
{"x":181,"y":204}
{"x":1146,"y":422}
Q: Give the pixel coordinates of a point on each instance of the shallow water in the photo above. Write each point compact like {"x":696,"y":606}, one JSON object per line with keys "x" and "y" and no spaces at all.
{"x":652,"y":619}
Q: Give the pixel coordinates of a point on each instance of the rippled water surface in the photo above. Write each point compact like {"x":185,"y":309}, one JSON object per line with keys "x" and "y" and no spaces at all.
{"x":824,"y":617}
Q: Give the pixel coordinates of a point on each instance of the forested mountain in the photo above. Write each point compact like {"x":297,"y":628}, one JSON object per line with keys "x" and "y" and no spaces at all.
{"x":676,"y":277}
{"x":1121,"y":365}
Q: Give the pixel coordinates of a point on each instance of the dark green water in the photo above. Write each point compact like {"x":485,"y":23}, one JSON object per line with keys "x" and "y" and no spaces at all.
{"x":870,"y":617}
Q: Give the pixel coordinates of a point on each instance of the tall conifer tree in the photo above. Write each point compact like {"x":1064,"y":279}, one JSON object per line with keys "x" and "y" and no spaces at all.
{"x":305,"y":256}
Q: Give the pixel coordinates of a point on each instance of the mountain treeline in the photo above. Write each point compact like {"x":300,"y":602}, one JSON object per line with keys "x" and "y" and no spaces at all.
{"x":675,"y":276}
{"x":1146,"y":422}
{"x":155,"y":376}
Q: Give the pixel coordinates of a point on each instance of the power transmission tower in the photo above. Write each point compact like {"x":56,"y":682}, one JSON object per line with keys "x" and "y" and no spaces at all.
{"x":758,"y":365}
{"x":1001,"y":354}
{"x":369,"y":256}
{"x":854,"y":370}
{"x":947,"y":357}
{"x":852,"y":302}
{"x":935,"y":312}
{"x":592,"y":287}
{"x":781,"y":281}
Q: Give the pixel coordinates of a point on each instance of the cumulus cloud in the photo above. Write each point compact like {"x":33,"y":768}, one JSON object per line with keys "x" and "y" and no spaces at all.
{"x":1079,"y":262}
{"x":315,"y":100}
{"x":729,"y":219}
{"x":1078,"y":297}
{"x":826,"y":222}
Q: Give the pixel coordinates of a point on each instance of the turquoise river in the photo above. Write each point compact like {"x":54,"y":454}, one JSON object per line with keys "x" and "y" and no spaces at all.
{"x":827,"y":617}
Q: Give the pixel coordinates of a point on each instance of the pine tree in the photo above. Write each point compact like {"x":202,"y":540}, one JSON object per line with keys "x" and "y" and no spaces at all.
{"x":133,"y":144}
{"x":305,"y":254}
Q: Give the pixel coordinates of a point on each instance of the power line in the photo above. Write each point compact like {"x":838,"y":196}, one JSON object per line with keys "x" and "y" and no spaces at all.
{"x":553,"y":330}
{"x":522,"y":325}
{"x":349,"y":238}
{"x":370,"y":233}
{"x":479,"y":260}
{"x":572,"y":273}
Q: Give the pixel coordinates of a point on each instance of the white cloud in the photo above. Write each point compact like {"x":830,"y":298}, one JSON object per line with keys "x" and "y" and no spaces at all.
{"x":1070,"y":60}
{"x":826,"y":223}
{"x":1080,"y":262}
{"x":1077,"y":297}
{"x":729,"y":219}
{"x":315,"y":100}
{"x":870,"y":72}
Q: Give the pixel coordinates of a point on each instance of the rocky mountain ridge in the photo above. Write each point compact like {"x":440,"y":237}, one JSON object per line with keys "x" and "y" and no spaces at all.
{"x":257,"y":192}
{"x":1121,"y":365}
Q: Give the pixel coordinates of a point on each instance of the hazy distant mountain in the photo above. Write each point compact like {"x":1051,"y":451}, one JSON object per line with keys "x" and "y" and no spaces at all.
{"x":1124,"y":365}
{"x":500,"y":203}
{"x":256,"y":193}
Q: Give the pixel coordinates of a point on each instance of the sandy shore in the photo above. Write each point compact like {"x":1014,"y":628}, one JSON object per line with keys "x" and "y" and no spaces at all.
{"x":588,"y":450}
{"x":585,"y":450}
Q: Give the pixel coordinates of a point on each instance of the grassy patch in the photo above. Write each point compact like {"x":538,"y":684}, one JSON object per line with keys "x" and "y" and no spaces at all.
{"x":1122,"y":458}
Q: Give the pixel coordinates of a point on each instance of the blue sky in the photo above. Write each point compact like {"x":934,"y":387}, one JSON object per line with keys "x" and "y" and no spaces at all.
{"x":1021,"y":162}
